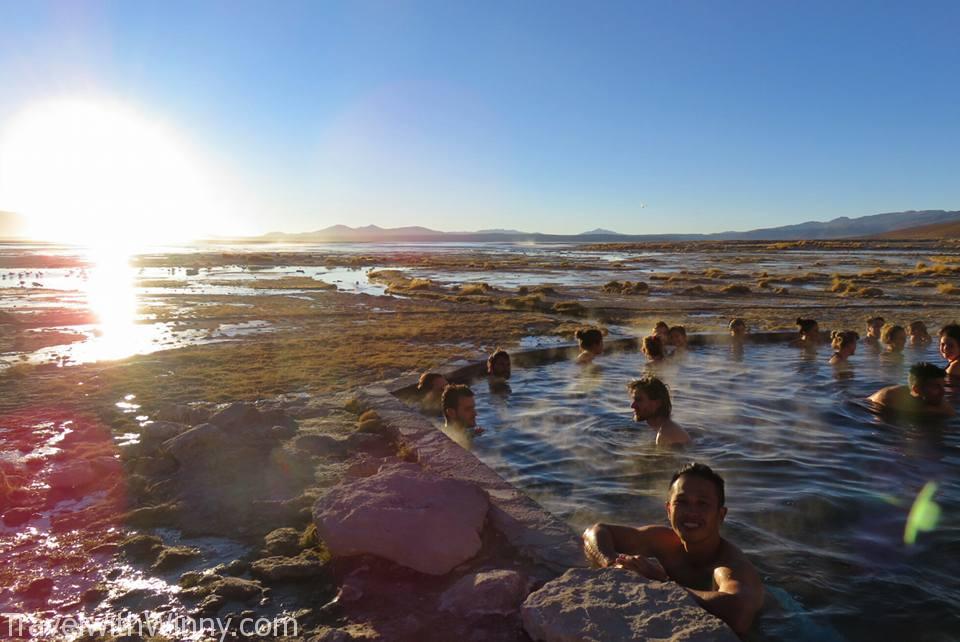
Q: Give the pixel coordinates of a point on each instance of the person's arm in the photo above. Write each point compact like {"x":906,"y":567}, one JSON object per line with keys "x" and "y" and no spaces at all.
{"x":738,"y":597}
{"x":627,"y":547}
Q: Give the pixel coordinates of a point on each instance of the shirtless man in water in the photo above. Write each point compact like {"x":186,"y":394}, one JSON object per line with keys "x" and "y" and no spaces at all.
{"x":651,"y":403}
{"x":691,"y":552}
{"x":923,"y":396}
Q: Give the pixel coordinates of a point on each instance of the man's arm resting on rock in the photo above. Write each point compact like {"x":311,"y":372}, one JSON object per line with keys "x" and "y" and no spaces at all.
{"x":736,"y":600}
{"x":602,"y":543}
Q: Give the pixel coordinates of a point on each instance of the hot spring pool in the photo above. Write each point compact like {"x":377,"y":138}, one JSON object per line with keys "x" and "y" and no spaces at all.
{"x":818,"y":487}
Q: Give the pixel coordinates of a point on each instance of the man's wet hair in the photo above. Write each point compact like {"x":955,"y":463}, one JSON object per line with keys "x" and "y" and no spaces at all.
{"x":737,"y":322}
{"x":921,"y":373}
{"x":886,"y":334}
{"x":655,"y":390}
{"x":872,"y":321}
{"x":951,"y":330}
{"x":806,"y":325}
{"x":917,"y":325}
{"x":653,"y":347}
{"x":678,"y":328}
{"x":661,"y":324}
{"x":452,"y":394}
{"x":842,"y":338}
{"x":499,"y":353}
{"x":425,"y":383}
{"x":588,"y":337}
{"x":695,"y":469}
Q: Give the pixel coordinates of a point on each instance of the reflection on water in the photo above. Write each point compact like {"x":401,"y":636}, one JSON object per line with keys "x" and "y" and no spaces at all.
{"x":113,"y":301}
{"x":821,"y":492}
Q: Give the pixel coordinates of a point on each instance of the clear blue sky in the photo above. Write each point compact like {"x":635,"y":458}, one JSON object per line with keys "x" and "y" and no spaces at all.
{"x":549,"y":116}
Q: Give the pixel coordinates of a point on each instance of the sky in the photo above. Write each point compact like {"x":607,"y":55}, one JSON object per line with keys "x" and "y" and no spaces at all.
{"x":551,"y":116}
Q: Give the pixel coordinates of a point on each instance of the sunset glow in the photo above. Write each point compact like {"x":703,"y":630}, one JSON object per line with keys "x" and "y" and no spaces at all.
{"x":97,"y":172}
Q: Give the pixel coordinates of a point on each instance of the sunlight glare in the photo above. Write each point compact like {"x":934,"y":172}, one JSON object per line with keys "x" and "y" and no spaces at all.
{"x":97,"y":172}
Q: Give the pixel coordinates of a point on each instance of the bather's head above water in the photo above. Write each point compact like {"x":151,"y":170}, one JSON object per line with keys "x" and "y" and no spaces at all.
{"x":844,"y":343}
{"x":874,"y":327}
{"x":893,"y":337}
{"x":950,"y":343}
{"x":809,"y":331}
{"x":678,"y":337}
{"x":590,"y":341}
{"x":927,"y":383}
{"x":651,"y":398}
{"x":498,"y":364}
{"x":652,"y":347}
{"x":696,"y":504}
{"x":429,"y":389}
{"x":917,"y":330}
{"x":459,"y":406}
{"x":738,"y":328}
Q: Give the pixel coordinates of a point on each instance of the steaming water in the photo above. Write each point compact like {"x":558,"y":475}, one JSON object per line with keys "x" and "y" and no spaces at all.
{"x":818,"y":487}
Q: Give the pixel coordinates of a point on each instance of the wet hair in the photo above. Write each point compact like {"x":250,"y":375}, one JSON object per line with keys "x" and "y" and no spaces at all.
{"x":661,"y":324}
{"x":922,"y":372}
{"x":655,"y":390}
{"x":886,"y":335}
{"x":951,"y":330}
{"x":872,"y":321}
{"x":678,"y":328}
{"x":806,"y":325}
{"x":695,"y":469}
{"x":499,"y":353}
{"x":918,"y":327}
{"x":839,"y":339}
{"x":452,"y":394}
{"x":588,"y":337}
{"x":425,"y":384}
{"x":653,"y":347}
{"x":738,"y":321}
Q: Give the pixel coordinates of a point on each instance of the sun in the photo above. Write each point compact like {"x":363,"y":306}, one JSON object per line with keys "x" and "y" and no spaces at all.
{"x":100,"y":172}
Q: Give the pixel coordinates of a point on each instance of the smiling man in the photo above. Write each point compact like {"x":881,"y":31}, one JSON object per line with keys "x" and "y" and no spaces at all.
{"x":690,"y":552}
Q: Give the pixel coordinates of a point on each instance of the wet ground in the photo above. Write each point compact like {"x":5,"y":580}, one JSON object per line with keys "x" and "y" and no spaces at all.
{"x":81,"y":333}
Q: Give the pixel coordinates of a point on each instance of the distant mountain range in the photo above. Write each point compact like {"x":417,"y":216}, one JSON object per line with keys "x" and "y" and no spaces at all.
{"x":887,"y":225}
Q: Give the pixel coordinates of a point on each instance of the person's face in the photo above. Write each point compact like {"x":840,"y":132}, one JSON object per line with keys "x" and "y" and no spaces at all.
{"x":873,"y":329}
{"x":738,"y":330}
{"x":465,"y":413}
{"x":677,"y":339}
{"x":949,"y":349}
{"x":931,"y":392}
{"x":643,"y":406}
{"x":501,"y":367}
{"x":898,"y":340}
{"x":694,"y":510}
{"x":661,"y":331}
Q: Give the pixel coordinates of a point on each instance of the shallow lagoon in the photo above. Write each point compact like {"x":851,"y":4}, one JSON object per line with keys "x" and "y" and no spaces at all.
{"x":818,"y":487}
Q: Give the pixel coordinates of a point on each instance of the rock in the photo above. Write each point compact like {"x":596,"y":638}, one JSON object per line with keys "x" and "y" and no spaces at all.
{"x":17,"y":516}
{"x":285,"y":569}
{"x":238,"y":415}
{"x":154,"y":433}
{"x":616,"y":604}
{"x":404,"y":514}
{"x":181,"y":414}
{"x":236,"y":568}
{"x":175,"y":556}
{"x":38,"y":589}
{"x":94,"y":595}
{"x":325,"y":634}
{"x":189,"y":579}
{"x":73,"y":476}
{"x":498,"y":592}
{"x":282,"y":542}
{"x":142,"y":548}
{"x":211,"y":604}
{"x":192,"y":444}
{"x":321,"y":445}
{"x":234,"y":588}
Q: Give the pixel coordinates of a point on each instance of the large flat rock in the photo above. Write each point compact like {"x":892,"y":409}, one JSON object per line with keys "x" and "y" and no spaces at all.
{"x":613,"y":605}
{"x":404,"y":514}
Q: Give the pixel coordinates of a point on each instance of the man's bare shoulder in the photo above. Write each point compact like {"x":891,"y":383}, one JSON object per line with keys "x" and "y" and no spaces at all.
{"x":890,"y":395}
